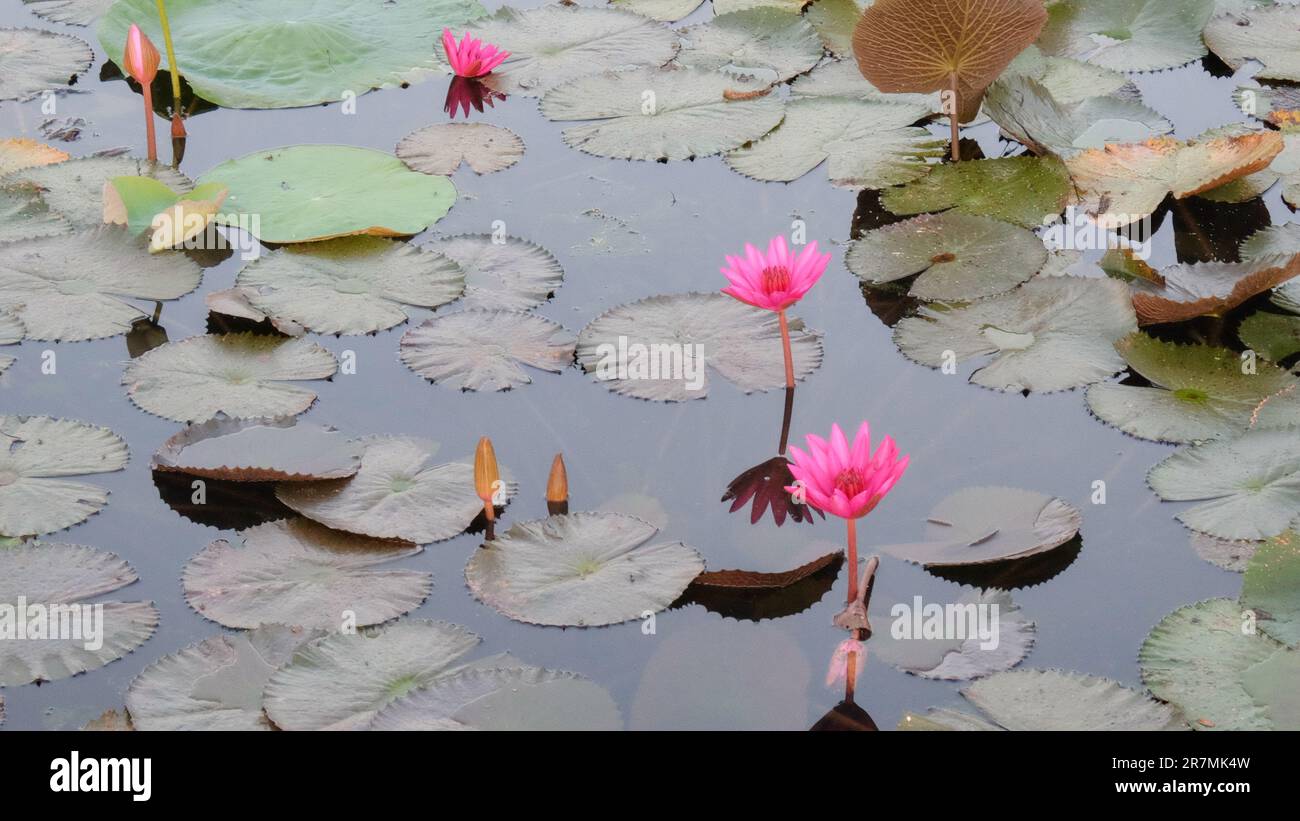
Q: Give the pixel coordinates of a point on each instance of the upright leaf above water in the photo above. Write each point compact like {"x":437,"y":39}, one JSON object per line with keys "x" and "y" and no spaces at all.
{"x":1269,"y":35}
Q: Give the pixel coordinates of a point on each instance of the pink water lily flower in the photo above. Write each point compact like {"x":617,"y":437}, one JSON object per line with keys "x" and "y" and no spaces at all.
{"x":471,"y":57}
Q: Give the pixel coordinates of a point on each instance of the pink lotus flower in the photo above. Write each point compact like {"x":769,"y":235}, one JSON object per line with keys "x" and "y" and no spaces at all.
{"x":775,"y":280}
{"x":471,"y":58}
{"x":142,"y":60}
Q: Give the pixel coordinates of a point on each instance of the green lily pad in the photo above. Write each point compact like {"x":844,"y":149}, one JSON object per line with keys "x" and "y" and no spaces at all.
{"x":1026,"y":191}
{"x":137,"y":202}
{"x":298,"y":572}
{"x":72,"y":12}
{"x":736,"y":341}
{"x":511,"y":274}
{"x":351,"y":285}
{"x":1268,"y":35}
{"x":441,"y":148}
{"x":399,"y":493}
{"x":769,"y":43}
{"x":581,"y":570}
{"x":485,"y":350}
{"x":251,"y":54}
{"x":691,"y":115}
{"x":66,"y":574}
{"x":1068,"y":80}
{"x":1248,"y":487}
{"x":841,"y":78}
{"x":33,"y":61}
{"x":244,"y":376}
{"x":1273,"y":336}
{"x":1271,"y":587}
{"x":955,"y":659}
{"x":1271,"y":685}
{"x":958,"y":256}
{"x":1197,"y":392}
{"x":74,"y":189}
{"x":1047,"y":335}
{"x":37,"y":457}
{"x":1061,"y":700}
{"x":1127,"y":35}
{"x":305,"y":193}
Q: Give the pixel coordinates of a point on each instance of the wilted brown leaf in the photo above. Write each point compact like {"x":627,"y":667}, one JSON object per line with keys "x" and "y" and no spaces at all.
{"x":754,"y":580}
{"x":1190,"y":291}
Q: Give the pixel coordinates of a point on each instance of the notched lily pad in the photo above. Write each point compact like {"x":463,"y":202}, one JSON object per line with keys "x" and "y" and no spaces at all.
{"x":1269,"y":35}
{"x":34,"y":60}
{"x":1128,"y":35}
{"x":510,"y":274}
{"x":1027,"y":191}
{"x":768,"y":43}
{"x":259,"y":450}
{"x":441,"y":148}
{"x":1008,"y":640}
{"x":1271,"y":588}
{"x":1192,"y":290}
{"x":486,"y":350}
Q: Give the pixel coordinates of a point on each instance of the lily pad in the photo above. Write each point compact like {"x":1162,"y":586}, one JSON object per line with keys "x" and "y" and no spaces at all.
{"x":301,"y":573}
{"x":833,"y":20}
{"x":11,"y":333}
{"x":1269,"y":35}
{"x":959,"y":658}
{"x":72,"y":12}
{"x":1068,"y":80}
{"x":399,"y":493}
{"x":251,"y":54}
{"x":1230,"y":554}
{"x":1275,"y":240}
{"x":513,"y":274}
{"x":1047,"y":335}
{"x":1273,"y":336}
{"x":485,"y":350}
{"x":50,"y":575}
{"x":581,"y":570}
{"x":259,"y":450}
{"x":1204,"y":288}
{"x":554,"y":44}
{"x":695,"y":113}
{"x":33,"y":61}
{"x":1248,"y":487}
{"x":1027,"y":191}
{"x":75,"y":189}
{"x":214,"y":684}
{"x":441,"y":148}
{"x":768,"y":43}
{"x":624,"y":347}
{"x":18,"y":153}
{"x":1127,"y":35}
{"x":37,"y":455}
{"x":243,"y":376}
{"x":1197,"y":392}
{"x":24,"y":215}
{"x":662,"y":10}
{"x":958,"y":256}
{"x":979,"y":525}
{"x":1271,"y":588}
{"x":352,"y":285}
{"x":1060,"y":700}
{"x":306,"y":193}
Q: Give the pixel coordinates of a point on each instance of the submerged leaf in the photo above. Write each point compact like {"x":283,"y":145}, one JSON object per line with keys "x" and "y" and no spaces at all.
{"x":441,"y":148}
{"x":514,"y":275}
{"x":259,"y":450}
{"x":484,"y":350}
{"x":34,"y":60}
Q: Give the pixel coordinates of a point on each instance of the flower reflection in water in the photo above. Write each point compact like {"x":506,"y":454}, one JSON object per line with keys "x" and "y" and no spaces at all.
{"x":465,"y":93}
{"x":766,"y":483}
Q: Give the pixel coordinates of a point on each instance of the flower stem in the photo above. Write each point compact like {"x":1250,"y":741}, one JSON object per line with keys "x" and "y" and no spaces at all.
{"x":172,"y":68}
{"x":853,"y":560}
{"x":952,"y":119}
{"x":785,"y":342}
{"x":850,"y":676}
{"x":148,"y":122}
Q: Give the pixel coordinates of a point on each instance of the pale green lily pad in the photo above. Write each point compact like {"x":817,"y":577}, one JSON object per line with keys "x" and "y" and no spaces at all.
{"x":74,"y":287}
{"x":1269,"y":35}
{"x":1194,"y":659}
{"x":664,"y":11}
{"x":792,"y":7}
{"x":1047,"y":335}
{"x":351,"y":285}
{"x":66,"y":574}
{"x":253,"y":54}
{"x":1273,"y":336}
{"x":24,"y":215}
{"x":956,"y":658}
{"x":738,"y":342}
{"x":768,"y":43}
{"x":479,"y":350}
{"x":11,"y":333}
{"x":1027,"y":191}
{"x":1271,"y":588}
{"x":1271,"y":684}
{"x":581,"y":570}
{"x":399,"y":493}
{"x":958,"y":256}
{"x":259,"y":450}
{"x":1061,"y":700}
{"x":554,"y":44}
{"x":511,"y":274}
{"x":1067,"y":80}
{"x":1248,"y":487}
{"x":298,"y":572}
{"x":214,"y":684}
{"x":841,"y":78}
{"x":441,"y":148}
{"x":37,"y":455}
{"x":1127,"y":35}
{"x":508,"y":698}
{"x":305,"y":193}
{"x":1197,"y":392}
{"x":72,"y":12}
{"x":1275,"y":240}
{"x":833,"y":20}
{"x":241,"y":375}
{"x":74,"y":189}
{"x":33,"y":61}
{"x":690,"y":117}
{"x":136,"y":201}
{"x":341,"y":681}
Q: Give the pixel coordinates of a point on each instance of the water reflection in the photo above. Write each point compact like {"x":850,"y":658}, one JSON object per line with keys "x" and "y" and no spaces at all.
{"x":848,"y":660}
{"x":766,"y":483}
{"x":218,"y":503}
{"x":1206,"y":231}
{"x":467,"y":92}
{"x":145,"y":335}
{"x":1011,"y":574}
{"x":767,"y":595}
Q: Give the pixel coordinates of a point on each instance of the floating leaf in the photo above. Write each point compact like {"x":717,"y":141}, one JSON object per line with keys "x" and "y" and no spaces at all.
{"x":1273,"y":336}
{"x":301,"y":573}
{"x":960,"y":658}
{"x":833,"y":20}
{"x":241,"y":375}
{"x":958,"y":256}
{"x":110,"y":721}
{"x":11,"y":333}
{"x":1268,"y":35}
{"x":514,"y":275}
{"x":691,"y":116}
{"x":1248,"y":487}
{"x":624,"y":347}
{"x":24,"y":215}
{"x":745,"y":594}
{"x":136,"y":201}
{"x":441,"y":148}
{"x":305,"y":193}
{"x":1026,"y":191}
{"x":64,"y":575}
{"x":36,"y":454}
{"x":841,"y":78}
{"x":661,"y":10}
{"x":1271,"y":588}
{"x":1060,"y":700}
{"x":1197,"y":392}
{"x":292,"y":52}
{"x":1204,"y":288}
{"x":33,"y":61}
{"x":484,"y":350}
{"x":72,"y":12}
{"x":753,"y":580}
{"x":215,"y":684}
{"x":1127,"y":35}
{"x":75,"y":189}
{"x":581,"y":570}
{"x":554,"y":44}
{"x":399,"y":493}
{"x":19,"y":153}
{"x":259,"y":450}
{"x":1068,"y":80}
{"x":351,"y":285}
{"x":979,"y":525}
{"x":936,"y":45}
{"x":1230,"y":554}
{"x":768,"y":43}
{"x":1047,"y":335}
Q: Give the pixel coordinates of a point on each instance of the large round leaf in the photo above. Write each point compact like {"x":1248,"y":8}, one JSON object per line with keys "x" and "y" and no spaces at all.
{"x":33,"y":61}
{"x":441,"y":148}
{"x":259,"y":450}
{"x":771,"y":44}
{"x":1127,"y":35}
{"x":305,"y":193}
{"x":24,"y":215}
{"x":1060,"y":700}
{"x":1027,"y":191}
{"x":486,"y":350}
{"x":72,"y":12}
{"x":511,"y":274}
{"x":1029,"y":112}
{"x":253,"y":54}
{"x":952,"y":657}
{"x":581,"y":570}
{"x":1271,"y":587}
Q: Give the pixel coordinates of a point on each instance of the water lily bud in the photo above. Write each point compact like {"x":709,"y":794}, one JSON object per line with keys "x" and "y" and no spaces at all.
{"x":557,"y":486}
{"x":141,"y":57}
{"x":487,"y":476}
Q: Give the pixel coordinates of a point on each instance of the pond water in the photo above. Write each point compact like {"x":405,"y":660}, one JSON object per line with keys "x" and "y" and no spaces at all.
{"x":623,"y":231}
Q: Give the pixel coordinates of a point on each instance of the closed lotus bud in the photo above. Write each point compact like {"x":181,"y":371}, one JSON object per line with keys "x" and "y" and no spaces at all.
{"x":487,"y":476}
{"x":557,"y":486}
{"x":141,"y":57}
